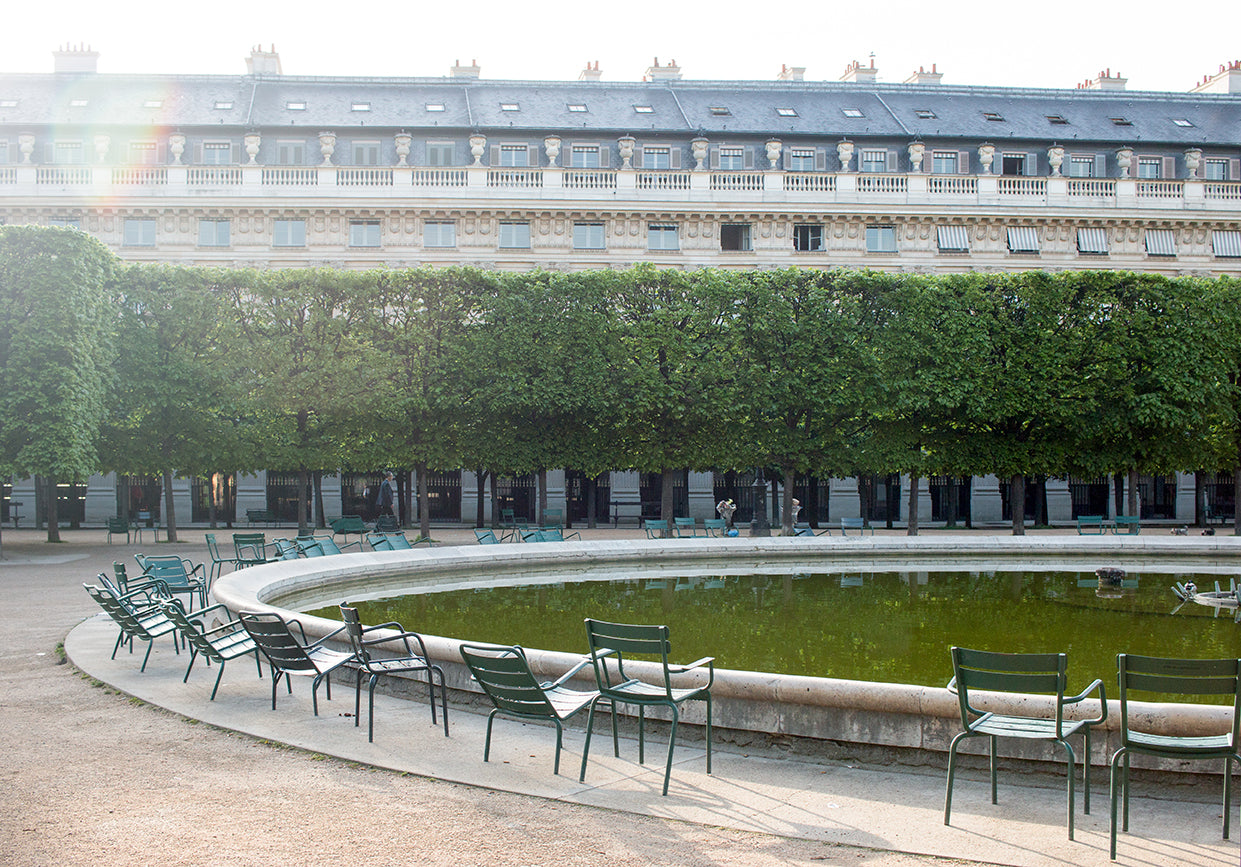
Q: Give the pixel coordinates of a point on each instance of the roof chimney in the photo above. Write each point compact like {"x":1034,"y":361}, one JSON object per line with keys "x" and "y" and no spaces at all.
{"x":590,"y":73}
{"x":859,"y":74}
{"x":671,"y":72}
{"x":1104,"y":81}
{"x":924,"y":77}
{"x":75,"y":60}
{"x":262,"y":62}
{"x":791,"y":73}
{"x":1227,"y":80}
{"x":459,"y":71}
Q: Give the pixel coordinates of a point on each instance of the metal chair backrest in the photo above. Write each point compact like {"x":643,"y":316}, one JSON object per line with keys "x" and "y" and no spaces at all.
{"x":611,"y":643}
{"x":353,"y":629}
{"x":250,"y":547}
{"x":1179,"y":678}
{"x":486,"y":537}
{"x":171,"y":570}
{"x":276,"y":642}
{"x":1026,"y":673}
{"x":505,"y":676}
{"x":286,"y":550}
{"x":317,"y":546}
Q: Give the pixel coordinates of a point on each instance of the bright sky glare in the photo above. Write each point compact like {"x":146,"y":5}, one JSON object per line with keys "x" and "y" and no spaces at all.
{"x":1023,"y":45}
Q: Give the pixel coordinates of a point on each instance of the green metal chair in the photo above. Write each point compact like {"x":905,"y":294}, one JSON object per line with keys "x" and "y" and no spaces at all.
{"x":505,"y":676}
{"x":714,"y":526}
{"x":379,"y":665}
{"x":685,"y":527}
{"x":395,"y":541}
{"x":553,"y":518}
{"x":1180,"y":678}
{"x":655,"y":528}
{"x":286,"y":549}
{"x":217,"y":643}
{"x":118,"y":527}
{"x":181,"y":575}
{"x":249,"y":549}
{"x":217,"y":562}
{"x":1023,"y":674}
{"x":322,"y":546}
{"x":485,"y":536}
{"x":137,"y":614}
{"x":611,"y":644}
{"x":290,"y":657}
{"x":347,"y":524}
{"x":549,"y":534}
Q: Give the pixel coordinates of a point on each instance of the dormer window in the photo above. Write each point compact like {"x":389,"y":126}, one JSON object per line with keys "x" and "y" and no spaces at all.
{"x":8,"y":103}
{"x":1180,"y":121}
{"x":223,"y":104}
{"x":852,"y":112}
{"x":153,"y":103}
{"x":720,"y":111}
{"x":643,"y":109}
{"x":435,"y":106}
{"x":1121,"y":121}
{"x":924,"y":114}
{"x":576,"y":107}
{"x":786,"y":112}
{"x":77,"y":103}
{"x":360,"y":106}
{"x":295,"y":105}
{"x":510,"y":106}
{"x":1057,"y":120}
{"x":993,"y":116}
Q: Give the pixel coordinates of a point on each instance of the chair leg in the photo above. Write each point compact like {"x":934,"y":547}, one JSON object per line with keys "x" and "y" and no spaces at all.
{"x":1072,"y":777}
{"x":642,"y":734}
{"x":994,"y":798}
{"x":218,"y":678}
{"x":487,"y":743}
{"x":193,"y":656}
{"x":708,"y":733}
{"x":559,"y":739}
{"x":357,"y":697}
{"x":590,"y":725}
{"x":1124,"y":826}
{"x":1227,"y":793}
{"x":150,"y":647}
{"x":1115,"y":784}
{"x":615,"y":736}
{"x":443,"y":699}
{"x":1086,"y":773}
{"x":672,"y":742}
{"x":370,"y":709}
{"x":275,"y":680}
{"x":952,"y":765}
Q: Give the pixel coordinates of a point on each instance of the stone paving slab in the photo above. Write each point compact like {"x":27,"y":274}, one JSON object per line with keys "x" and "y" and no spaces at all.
{"x":893,"y":809}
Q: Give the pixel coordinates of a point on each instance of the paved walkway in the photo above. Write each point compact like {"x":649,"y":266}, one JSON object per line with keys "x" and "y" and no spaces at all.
{"x":890,"y":809}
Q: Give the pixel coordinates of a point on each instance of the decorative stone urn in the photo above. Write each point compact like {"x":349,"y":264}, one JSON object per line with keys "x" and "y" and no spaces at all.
{"x":917,"y":150}
{"x":624,"y":146}
{"x":403,"y":141}
{"x":986,"y":156}
{"x":176,"y":147}
{"x":478,"y":146}
{"x":551,"y":146}
{"x":102,"y":143}
{"x":25,"y":144}
{"x":1055,"y":156}
{"x":252,"y":140}
{"x":774,"y":146}
{"x":327,"y":146}
{"x":698,"y":148}
{"x":1193,"y":159}
{"x":1124,"y":159}
{"x":844,"y":151}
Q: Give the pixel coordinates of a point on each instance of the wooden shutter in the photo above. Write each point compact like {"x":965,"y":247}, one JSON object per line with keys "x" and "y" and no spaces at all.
{"x":605,"y":156}
{"x":637,"y":157}
{"x":1100,"y":165}
{"x":714,"y":162}
{"x":674,"y":157}
{"x":963,"y":162}
{"x":1032,"y":165}
{"x":820,"y":159}
{"x":495,"y":155}
{"x":1169,"y":168}
{"x":198,"y":154}
{"x":1234,"y":170}
{"x":747,"y":157}
{"x":890,"y":162}
{"x":532,"y":156}
{"x":787,"y":157}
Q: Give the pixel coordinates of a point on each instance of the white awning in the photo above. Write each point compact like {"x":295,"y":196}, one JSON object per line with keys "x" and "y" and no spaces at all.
{"x":1022,"y":239}
{"x":953,"y":239}
{"x":1226,"y":243}
{"x":1092,"y":240}
{"x":1160,"y":242}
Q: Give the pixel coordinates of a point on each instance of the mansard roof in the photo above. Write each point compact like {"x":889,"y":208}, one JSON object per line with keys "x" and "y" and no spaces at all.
{"x":717,"y":109}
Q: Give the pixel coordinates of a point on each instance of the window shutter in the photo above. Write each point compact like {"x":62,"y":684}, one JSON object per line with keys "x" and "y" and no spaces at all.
{"x":747,"y":159}
{"x":787,"y":157}
{"x":820,"y":159}
{"x":161,"y":154}
{"x":532,"y":158}
{"x":605,"y":156}
{"x":715,"y":157}
{"x":495,"y":155}
{"x":963,"y":162}
{"x":1032,"y":165}
{"x":891,"y":161}
{"x":674,"y":157}
{"x":198,"y":154}
{"x":637,"y":158}
{"x":1169,"y":168}
{"x":1100,"y":165}
{"x":1234,"y":170}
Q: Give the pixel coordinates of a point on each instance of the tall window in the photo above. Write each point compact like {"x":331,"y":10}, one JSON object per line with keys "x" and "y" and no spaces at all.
{"x":808,"y":239}
{"x":662,"y":236}
{"x":656,"y":158}
{"x":67,"y":153}
{"x":439,"y":153}
{"x":588,"y":236}
{"x":217,"y":153}
{"x":366,"y":153}
{"x":1215,"y":170}
{"x":289,"y":233}
{"x":944,"y":162}
{"x":880,"y":239}
{"x":515,"y":236}
{"x":290,"y":153}
{"x":585,"y":156}
{"x":213,"y":233}
{"x":4,"y":151}
{"x":439,"y":234}
{"x":514,"y":156}
{"x":801,"y":159}
{"x":874,"y":161}
{"x":142,"y":153}
{"x":364,"y":233}
{"x":1148,"y":167}
{"x":1081,"y":167}
{"x":139,"y":232}
{"x":735,"y":237}
{"x":732,"y":159}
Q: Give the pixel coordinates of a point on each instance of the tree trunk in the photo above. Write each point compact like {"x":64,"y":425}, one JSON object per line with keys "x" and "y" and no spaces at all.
{"x":1017,"y":502}
{"x":213,"y":497}
{"x":788,"y":515}
{"x":542,"y":481}
{"x":1236,"y":507}
{"x":590,"y":487}
{"x":665,"y":499}
{"x":911,"y":525}
{"x":320,"y":517}
{"x":1200,"y":499}
{"x":969,"y":498}
{"x":495,"y":501}
{"x":424,"y":513}
{"x":170,"y":509}
{"x":303,"y":503}
{"x":480,"y":480}
{"x":1133,"y":508}
{"x":53,"y":519}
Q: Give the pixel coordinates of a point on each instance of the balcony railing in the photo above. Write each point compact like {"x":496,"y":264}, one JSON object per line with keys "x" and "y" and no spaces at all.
{"x":800,"y":188}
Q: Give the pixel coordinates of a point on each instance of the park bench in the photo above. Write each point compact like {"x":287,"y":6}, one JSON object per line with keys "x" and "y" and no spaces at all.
{"x":1129,"y":525}
{"x":626,"y":507}
{"x":1090,"y":525}
{"x":347,"y":524}
{"x":260,"y":516}
{"x":859,"y":524}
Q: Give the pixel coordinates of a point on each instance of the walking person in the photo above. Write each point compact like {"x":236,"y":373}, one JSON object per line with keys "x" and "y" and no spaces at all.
{"x":387,"y":494}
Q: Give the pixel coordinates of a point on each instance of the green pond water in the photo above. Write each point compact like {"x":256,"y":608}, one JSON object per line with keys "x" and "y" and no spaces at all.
{"x":879,"y":626}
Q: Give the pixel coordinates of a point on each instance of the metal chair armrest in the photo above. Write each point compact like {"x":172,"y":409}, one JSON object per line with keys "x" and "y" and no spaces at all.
{"x":560,"y":681}
{"x":708,"y":661}
{"x":202,"y":612}
{"x":1097,"y":684}
{"x":952,"y":686}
